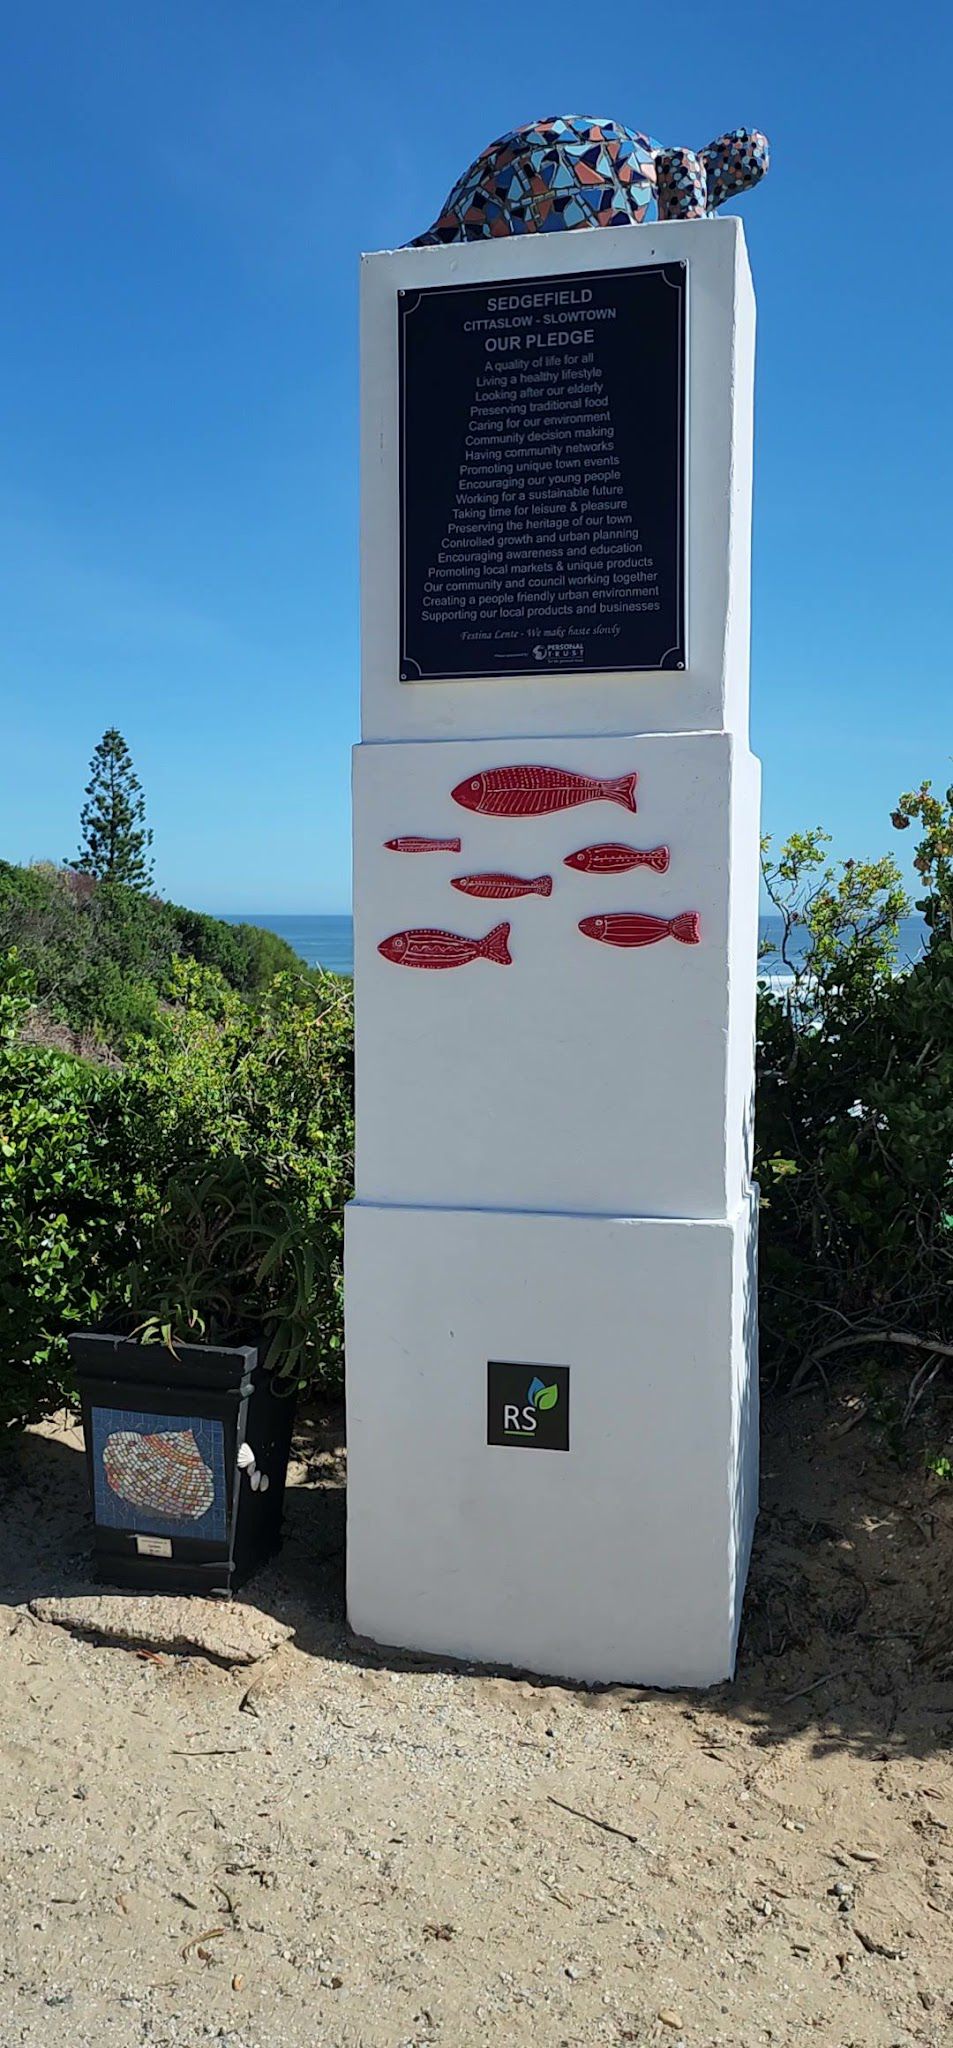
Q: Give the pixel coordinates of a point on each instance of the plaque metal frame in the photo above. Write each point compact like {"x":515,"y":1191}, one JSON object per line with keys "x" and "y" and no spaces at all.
{"x":671,"y":659}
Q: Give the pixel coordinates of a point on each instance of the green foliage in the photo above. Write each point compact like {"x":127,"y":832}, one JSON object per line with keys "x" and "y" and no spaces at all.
{"x":238,"y":1256}
{"x":130,"y":947}
{"x":934,"y":855}
{"x":855,"y":1120}
{"x":97,"y":954}
{"x":100,"y":954}
{"x":200,"y":1186}
{"x":849,"y":919}
{"x":114,"y":839}
{"x":248,"y":1115}
{"x":68,"y":1189}
{"x":246,"y":954}
{"x":39,"y":917}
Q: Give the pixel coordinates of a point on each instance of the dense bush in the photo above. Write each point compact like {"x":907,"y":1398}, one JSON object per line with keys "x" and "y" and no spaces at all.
{"x":855,"y":1117}
{"x":254,"y":1104}
{"x":69,"y":1185}
{"x":99,"y":954}
{"x":245,"y":954}
{"x":100,"y":1166}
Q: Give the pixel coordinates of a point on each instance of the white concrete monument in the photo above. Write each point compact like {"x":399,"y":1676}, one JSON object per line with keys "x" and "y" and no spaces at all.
{"x":550,"y":1258}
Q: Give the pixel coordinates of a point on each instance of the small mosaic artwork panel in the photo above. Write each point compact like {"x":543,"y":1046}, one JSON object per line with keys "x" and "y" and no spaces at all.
{"x":159,"y":1475}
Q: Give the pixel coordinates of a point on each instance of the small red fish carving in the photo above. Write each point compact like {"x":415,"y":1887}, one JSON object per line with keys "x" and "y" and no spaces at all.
{"x":446,"y":949}
{"x":525,"y":791}
{"x":422,"y":845}
{"x":612,"y":858}
{"x":634,"y":928}
{"x":499,"y":886}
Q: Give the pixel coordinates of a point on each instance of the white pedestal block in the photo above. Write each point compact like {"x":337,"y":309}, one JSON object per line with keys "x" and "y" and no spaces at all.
{"x":584,"y":1077}
{"x":712,"y":692}
{"x":620,"y":1559}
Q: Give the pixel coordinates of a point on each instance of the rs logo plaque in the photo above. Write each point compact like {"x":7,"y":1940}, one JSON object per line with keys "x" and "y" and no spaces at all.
{"x":528,"y":1405}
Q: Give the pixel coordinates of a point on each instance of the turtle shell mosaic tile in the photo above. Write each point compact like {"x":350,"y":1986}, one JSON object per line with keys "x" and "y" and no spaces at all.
{"x":577,"y":171}
{"x":159,"y":1474}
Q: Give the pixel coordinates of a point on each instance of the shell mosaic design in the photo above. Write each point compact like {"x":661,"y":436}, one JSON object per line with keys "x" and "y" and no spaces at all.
{"x":159,"y":1474}
{"x":574,"y":171}
{"x":163,"y":1472}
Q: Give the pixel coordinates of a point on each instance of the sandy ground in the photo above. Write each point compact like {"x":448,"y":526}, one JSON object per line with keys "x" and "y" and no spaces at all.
{"x":372,"y":1853}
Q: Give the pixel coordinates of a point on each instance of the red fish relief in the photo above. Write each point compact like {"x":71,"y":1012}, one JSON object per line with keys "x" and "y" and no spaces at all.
{"x":615,"y":859}
{"x":499,"y":886}
{"x":528,"y":792}
{"x":446,"y":949}
{"x":632,"y":928}
{"x":422,"y":845}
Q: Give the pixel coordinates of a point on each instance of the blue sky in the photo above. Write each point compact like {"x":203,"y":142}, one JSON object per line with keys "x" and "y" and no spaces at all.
{"x":185,"y":194}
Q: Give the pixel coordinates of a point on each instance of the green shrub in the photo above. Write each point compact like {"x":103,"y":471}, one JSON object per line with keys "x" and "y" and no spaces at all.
{"x":100,"y":953}
{"x":69,"y":1193}
{"x":38,"y":916}
{"x":855,"y":1123}
{"x":255,"y":1101}
{"x":232,"y":1126}
{"x":248,"y":956}
{"x":238,"y":1255}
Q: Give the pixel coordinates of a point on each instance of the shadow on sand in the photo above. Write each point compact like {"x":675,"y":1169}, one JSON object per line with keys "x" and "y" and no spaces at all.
{"x":848,"y":1626}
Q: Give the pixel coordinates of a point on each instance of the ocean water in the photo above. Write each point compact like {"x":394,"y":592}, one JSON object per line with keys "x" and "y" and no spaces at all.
{"x":329,"y":941}
{"x":911,"y":940}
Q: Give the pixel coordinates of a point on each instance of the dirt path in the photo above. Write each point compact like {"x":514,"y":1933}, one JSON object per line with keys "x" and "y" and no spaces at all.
{"x":374,"y":1854}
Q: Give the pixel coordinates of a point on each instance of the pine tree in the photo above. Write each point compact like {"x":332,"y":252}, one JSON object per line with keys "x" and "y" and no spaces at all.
{"x":114,"y":838}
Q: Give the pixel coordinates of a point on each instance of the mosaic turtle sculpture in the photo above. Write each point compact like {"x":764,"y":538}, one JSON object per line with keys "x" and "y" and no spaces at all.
{"x":576,"y":172}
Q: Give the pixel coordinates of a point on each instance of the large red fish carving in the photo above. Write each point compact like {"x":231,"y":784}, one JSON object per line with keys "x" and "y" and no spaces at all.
{"x":612,"y":858}
{"x":411,"y":845}
{"x":525,"y":791}
{"x":498,"y":887}
{"x":446,"y":949}
{"x":635,"y":928}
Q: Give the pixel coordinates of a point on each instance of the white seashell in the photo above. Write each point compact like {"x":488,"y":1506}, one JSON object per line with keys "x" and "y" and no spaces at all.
{"x":246,"y":1457}
{"x":255,"y":1481}
{"x":265,"y":1482}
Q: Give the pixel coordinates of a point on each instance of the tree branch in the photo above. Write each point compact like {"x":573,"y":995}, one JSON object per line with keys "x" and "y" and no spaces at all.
{"x":904,"y":1337}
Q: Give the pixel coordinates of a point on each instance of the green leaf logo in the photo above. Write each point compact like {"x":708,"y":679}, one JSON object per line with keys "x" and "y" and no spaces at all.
{"x":546,"y":1398}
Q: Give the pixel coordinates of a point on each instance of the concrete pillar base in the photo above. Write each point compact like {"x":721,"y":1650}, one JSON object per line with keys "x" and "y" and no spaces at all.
{"x":620,"y":1559}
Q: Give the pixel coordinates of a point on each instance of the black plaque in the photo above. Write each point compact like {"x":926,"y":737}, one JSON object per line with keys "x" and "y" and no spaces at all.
{"x":542,"y":474}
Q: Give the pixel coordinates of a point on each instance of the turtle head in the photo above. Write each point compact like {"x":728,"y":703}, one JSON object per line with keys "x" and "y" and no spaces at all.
{"x":733,"y":163}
